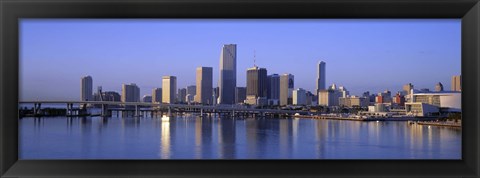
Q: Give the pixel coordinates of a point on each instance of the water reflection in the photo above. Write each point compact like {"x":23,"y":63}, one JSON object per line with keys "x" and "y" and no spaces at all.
{"x":191,"y":137}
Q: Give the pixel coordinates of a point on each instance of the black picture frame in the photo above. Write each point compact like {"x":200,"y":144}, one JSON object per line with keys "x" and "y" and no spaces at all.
{"x":12,"y":10}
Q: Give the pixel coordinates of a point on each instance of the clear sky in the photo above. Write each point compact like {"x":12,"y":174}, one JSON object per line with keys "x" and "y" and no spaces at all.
{"x":362,"y":55}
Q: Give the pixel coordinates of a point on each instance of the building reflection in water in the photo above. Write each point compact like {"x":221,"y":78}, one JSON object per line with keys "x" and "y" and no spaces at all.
{"x":165,"y":138}
{"x":226,"y":138}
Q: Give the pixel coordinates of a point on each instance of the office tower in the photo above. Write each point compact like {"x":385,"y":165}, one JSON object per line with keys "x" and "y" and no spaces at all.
{"x":457,"y":83}
{"x":273,"y":89}
{"x":310,"y":98}
{"x":399,"y":99}
{"x":98,"y":95}
{"x":204,"y":84}
{"x":86,"y":89}
{"x":169,"y":88}
{"x":344,"y":91}
{"x":130,"y":93}
{"x":408,"y":88}
{"x":182,"y":95}
{"x":286,"y":88}
{"x":257,"y":82}
{"x":439,"y":87}
{"x":228,"y":74}
{"x":327,"y":98}
{"x":157,"y":95}
{"x":321,"y":78}
{"x":147,"y":99}
{"x":384,"y":97}
{"x":299,"y":97}
{"x":240,"y":94}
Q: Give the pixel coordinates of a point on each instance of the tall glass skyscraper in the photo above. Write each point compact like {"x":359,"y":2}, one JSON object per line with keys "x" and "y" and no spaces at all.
{"x":227,"y":81}
{"x":204,"y":85}
{"x":86,"y":93}
{"x":321,"y":76}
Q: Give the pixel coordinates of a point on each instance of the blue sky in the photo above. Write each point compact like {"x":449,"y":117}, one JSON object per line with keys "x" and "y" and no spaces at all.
{"x":362,"y":55}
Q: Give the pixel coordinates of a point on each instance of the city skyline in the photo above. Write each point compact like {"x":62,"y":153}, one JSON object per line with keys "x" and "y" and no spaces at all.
{"x":393,"y":81}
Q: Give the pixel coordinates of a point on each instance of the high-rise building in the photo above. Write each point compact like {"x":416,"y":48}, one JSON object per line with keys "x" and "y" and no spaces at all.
{"x":321,"y":76}
{"x":86,"y":89}
{"x":273,"y":89}
{"x":328,"y":98}
{"x":182,"y":95}
{"x":204,"y":84}
{"x":457,"y":83}
{"x":408,"y":88}
{"x":130,"y":93}
{"x":257,"y":82}
{"x":299,"y":97}
{"x":111,"y":96}
{"x":227,"y":80}
{"x":169,"y":88}
{"x":439,"y":86}
{"x":192,"y":90}
{"x":286,"y":89}
{"x":157,"y":95}
{"x":240,"y":94}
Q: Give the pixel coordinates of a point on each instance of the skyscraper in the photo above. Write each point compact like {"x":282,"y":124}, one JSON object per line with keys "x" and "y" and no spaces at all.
{"x":86,"y":91}
{"x":286,"y":89}
{"x":321,"y":78}
{"x":228,"y":74}
{"x":457,"y":83}
{"x":273,"y":87}
{"x":169,"y":88}
{"x":257,"y":82}
{"x":157,"y":95}
{"x":439,"y":87}
{"x":204,"y":85}
{"x":130,"y":93}
{"x":299,"y":97}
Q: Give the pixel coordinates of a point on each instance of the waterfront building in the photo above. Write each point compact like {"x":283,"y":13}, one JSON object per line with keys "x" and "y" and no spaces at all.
{"x":182,"y":95}
{"x":256,"y":84}
{"x":430,"y":103}
{"x":204,"y":83}
{"x":130,"y":93}
{"x":157,"y":95}
{"x":147,"y":99}
{"x":273,"y":89}
{"x":227,"y":81}
{"x":439,"y":87}
{"x":169,"y":88}
{"x":86,"y":88}
{"x":321,"y":76}
{"x":240,"y":94}
{"x":353,"y":101}
{"x":328,"y":97}
{"x":299,"y":97}
{"x":457,"y":83}
{"x":286,"y":89}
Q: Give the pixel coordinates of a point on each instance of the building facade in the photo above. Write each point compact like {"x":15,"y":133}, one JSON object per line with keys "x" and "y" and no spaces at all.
{"x":457,"y":83}
{"x":256,"y":85}
{"x":169,"y":89}
{"x":286,"y":89}
{"x":299,"y":97}
{"x":273,"y":87}
{"x":204,"y":83}
{"x":130,"y":93}
{"x":86,"y":88}
{"x":182,"y":95}
{"x":157,"y":95}
{"x":240,"y":94}
{"x":227,"y":81}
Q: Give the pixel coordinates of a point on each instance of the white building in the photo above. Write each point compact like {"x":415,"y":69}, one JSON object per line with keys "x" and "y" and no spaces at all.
{"x":169,"y":89}
{"x":428,"y":103}
{"x":227,"y":81}
{"x":299,"y":97}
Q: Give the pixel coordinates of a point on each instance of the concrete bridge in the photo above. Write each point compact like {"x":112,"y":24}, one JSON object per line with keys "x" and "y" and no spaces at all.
{"x":108,"y":106}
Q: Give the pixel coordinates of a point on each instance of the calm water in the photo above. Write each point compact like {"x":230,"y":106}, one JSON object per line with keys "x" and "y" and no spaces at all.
{"x":190,"y":137}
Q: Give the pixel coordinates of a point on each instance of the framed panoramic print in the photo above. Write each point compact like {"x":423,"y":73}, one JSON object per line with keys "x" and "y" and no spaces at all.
{"x":239,"y":88}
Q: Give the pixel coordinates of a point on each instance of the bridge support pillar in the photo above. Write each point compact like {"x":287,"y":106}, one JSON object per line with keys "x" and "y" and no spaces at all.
{"x":169,"y":111}
{"x":201,"y":112}
{"x":136,"y":111}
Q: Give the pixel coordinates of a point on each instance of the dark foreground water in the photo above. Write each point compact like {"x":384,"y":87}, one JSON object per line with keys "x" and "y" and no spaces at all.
{"x":190,"y":137}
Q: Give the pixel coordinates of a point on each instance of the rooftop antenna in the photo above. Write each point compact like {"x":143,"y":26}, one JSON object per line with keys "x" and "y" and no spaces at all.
{"x":254,"y":58}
